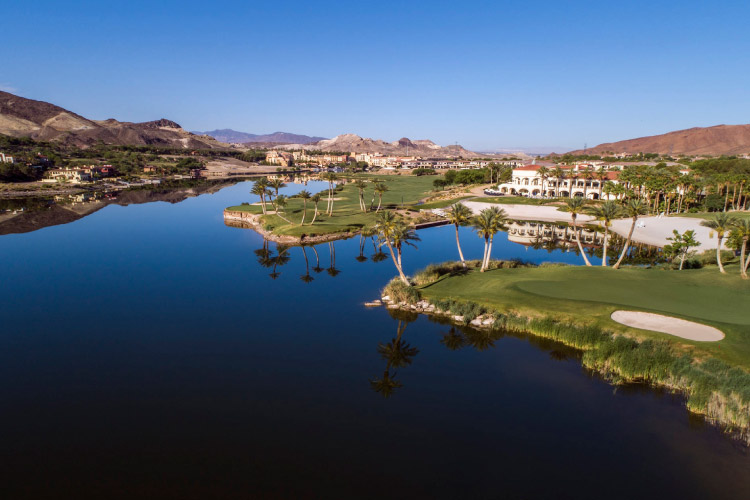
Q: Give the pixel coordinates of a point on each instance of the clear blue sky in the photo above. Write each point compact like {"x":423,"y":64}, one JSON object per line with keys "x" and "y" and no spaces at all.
{"x":483,"y":74}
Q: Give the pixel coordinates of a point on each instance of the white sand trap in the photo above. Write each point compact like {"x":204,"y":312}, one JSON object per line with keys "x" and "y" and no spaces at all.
{"x":666,"y":324}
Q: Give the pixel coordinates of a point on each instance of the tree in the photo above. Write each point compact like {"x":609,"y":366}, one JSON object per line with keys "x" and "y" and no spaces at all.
{"x":387,"y":225}
{"x":742,"y":231}
{"x":558,"y":173}
{"x":280,"y":202}
{"x":486,"y":224}
{"x":459,"y":215}
{"x":404,"y":235}
{"x":331,"y":178}
{"x":277,"y":184}
{"x":380,"y":190}
{"x":576,"y":206}
{"x":315,"y":199}
{"x":721,"y":223}
{"x":681,"y":245}
{"x":543,"y":172}
{"x":633,"y":208}
{"x":259,"y":189}
{"x":606,"y":212}
{"x":304,"y":195}
{"x":361,"y":185}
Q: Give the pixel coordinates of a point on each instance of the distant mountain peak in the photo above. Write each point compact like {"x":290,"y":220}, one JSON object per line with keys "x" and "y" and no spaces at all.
{"x":233,"y":136}
{"x":22,"y":117}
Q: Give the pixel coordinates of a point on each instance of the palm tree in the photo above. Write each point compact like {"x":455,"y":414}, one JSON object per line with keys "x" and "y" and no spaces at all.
{"x":559,"y":174}
{"x":277,"y":184}
{"x":259,"y":189}
{"x":587,"y":175}
{"x":380,"y":189}
{"x":331,"y":178}
{"x":315,"y":199}
{"x":486,"y":224}
{"x":606,"y":212}
{"x":742,"y":226}
{"x":387,"y":225}
{"x":305,"y":195}
{"x":576,"y":206}
{"x":721,"y":223}
{"x":404,"y":234}
{"x":361,"y":185}
{"x":601,"y":176}
{"x":280,"y":202}
{"x":543,"y":172}
{"x":633,"y":208}
{"x":459,"y":215}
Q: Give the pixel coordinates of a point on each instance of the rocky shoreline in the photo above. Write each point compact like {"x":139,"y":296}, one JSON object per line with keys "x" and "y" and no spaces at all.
{"x":714,"y":413}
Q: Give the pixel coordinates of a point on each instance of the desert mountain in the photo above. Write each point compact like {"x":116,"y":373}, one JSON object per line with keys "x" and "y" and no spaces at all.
{"x":21,"y":117}
{"x":401,"y":147}
{"x":233,"y":136}
{"x":716,"y":140}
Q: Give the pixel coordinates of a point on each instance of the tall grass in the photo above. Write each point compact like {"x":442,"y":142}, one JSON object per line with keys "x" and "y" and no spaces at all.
{"x":712,"y":388}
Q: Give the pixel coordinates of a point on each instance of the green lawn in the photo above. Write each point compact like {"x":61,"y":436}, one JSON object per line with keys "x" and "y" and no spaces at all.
{"x":443,"y":203}
{"x":346,"y":213}
{"x":591,"y":294}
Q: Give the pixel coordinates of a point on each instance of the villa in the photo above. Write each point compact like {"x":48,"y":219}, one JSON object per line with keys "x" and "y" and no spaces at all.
{"x":72,"y":175}
{"x":579,"y":180}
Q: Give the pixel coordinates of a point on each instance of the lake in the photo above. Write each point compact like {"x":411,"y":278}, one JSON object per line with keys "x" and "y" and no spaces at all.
{"x":151,"y":351}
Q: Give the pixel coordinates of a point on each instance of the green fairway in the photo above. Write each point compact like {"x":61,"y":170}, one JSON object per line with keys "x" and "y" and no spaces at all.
{"x":591,"y":294}
{"x":347,"y":216}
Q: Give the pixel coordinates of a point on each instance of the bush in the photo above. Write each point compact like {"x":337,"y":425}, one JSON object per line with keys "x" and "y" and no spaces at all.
{"x":423,"y":171}
{"x":398,"y":291}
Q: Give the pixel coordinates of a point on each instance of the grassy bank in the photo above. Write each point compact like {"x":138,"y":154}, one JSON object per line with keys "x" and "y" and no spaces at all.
{"x":591,"y":294}
{"x":347,"y":216}
{"x":572,"y":305}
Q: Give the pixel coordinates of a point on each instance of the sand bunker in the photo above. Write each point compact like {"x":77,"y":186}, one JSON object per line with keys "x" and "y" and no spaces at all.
{"x":666,"y":324}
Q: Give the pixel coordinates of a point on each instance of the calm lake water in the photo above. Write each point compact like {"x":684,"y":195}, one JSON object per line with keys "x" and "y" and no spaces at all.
{"x":146,"y":353}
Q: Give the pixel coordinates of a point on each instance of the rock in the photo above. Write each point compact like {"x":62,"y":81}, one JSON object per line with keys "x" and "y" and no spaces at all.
{"x":392,"y":306}
{"x":459,"y":318}
{"x":488,"y":321}
{"x":386,"y":298}
{"x":374,"y":303}
{"x":476,"y":322}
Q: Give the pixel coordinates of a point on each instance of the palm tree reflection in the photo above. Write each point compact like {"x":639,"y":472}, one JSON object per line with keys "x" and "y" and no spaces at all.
{"x":306,"y":278}
{"x":397,"y":353}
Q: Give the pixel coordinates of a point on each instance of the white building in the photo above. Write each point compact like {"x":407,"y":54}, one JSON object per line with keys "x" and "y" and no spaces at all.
{"x":578,"y":180}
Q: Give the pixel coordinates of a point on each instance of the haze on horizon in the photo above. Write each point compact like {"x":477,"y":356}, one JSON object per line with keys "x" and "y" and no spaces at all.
{"x":532,"y":75}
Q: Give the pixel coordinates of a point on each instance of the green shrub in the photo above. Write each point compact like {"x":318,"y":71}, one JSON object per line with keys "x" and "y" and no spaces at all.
{"x":401,"y":292}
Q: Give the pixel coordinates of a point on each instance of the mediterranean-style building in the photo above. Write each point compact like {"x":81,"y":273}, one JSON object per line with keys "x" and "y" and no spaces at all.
{"x":5,"y":158}
{"x":578,"y":180}
{"x":72,"y":175}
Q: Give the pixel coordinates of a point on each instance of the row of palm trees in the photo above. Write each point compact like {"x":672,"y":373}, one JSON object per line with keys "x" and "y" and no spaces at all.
{"x":269,"y":189}
{"x":724,"y":223}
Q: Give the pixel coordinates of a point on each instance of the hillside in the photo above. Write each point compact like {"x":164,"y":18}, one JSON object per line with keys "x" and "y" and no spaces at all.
{"x":401,"y":147}
{"x":233,"y":136}
{"x":21,"y":117}
{"x":716,"y":140}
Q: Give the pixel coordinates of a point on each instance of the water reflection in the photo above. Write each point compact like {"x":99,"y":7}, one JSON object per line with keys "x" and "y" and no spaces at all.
{"x":397,"y":353}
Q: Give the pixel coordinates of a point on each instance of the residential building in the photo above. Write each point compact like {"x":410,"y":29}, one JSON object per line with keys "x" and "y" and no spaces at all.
{"x":6,"y":159}
{"x":72,"y":175}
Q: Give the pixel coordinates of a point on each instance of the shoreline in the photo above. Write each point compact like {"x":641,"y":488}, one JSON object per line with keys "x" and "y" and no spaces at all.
{"x":535,"y":327}
{"x":247,"y":220}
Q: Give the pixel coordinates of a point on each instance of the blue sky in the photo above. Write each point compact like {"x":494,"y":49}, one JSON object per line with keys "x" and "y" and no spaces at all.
{"x":484,"y":74}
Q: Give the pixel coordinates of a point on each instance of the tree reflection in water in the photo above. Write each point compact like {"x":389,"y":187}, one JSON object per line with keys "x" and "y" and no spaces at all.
{"x":332,"y":271}
{"x":306,"y":278}
{"x":397,"y":353}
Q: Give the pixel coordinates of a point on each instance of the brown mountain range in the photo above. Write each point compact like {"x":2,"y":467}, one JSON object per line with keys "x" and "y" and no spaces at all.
{"x":401,"y":147}
{"x":711,"y":141}
{"x":21,"y":117}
